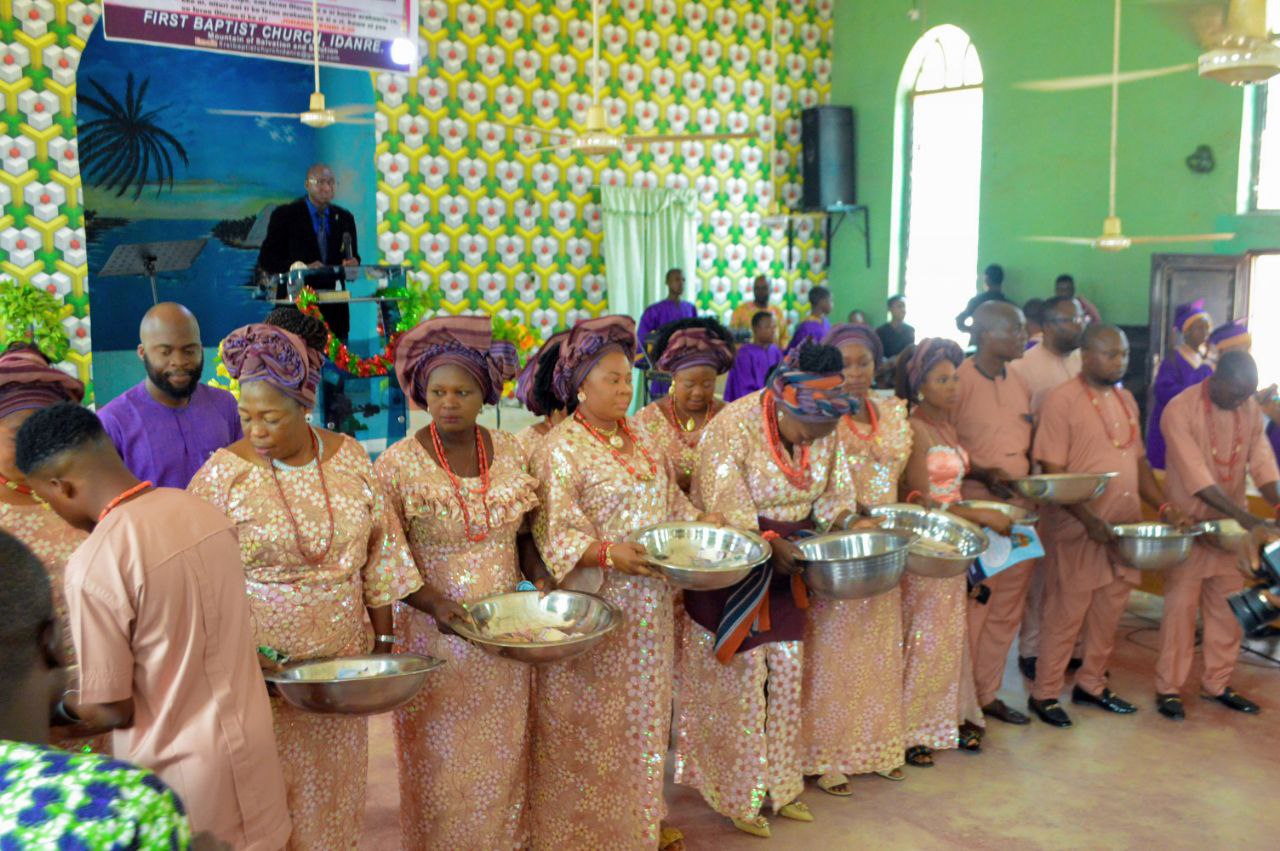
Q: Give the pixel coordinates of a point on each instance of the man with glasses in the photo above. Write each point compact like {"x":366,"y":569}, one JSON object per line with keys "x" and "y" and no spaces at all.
{"x":314,"y":232}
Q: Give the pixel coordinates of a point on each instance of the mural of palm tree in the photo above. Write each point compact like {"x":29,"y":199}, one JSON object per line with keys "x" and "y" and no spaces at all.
{"x":126,"y":147}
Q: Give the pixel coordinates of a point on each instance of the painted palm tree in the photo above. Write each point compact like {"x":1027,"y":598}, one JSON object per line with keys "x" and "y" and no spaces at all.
{"x":126,"y":148}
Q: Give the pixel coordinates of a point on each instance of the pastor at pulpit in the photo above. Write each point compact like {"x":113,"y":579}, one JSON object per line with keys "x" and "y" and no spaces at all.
{"x":314,"y":231}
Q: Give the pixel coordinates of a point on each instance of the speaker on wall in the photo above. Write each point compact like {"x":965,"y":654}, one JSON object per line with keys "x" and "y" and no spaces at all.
{"x":827,"y":158}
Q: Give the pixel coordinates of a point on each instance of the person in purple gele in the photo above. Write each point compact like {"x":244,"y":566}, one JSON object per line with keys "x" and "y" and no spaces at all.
{"x":166,"y":427}
{"x":1184,"y":367}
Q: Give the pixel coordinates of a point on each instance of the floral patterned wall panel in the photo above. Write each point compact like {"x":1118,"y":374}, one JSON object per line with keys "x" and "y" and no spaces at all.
{"x":502,"y":230}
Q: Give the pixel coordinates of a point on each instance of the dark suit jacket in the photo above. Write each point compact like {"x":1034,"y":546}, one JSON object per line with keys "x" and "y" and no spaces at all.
{"x":291,"y":238}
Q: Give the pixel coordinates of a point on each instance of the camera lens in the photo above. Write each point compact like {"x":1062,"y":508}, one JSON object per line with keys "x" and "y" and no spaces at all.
{"x":1252,"y":609}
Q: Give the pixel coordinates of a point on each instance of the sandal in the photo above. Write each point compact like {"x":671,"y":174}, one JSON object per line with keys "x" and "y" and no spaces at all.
{"x":759,"y":827}
{"x":894,"y":774}
{"x":970,"y":737}
{"x":836,"y":784}
{"x":920,"y":756}
{"x":796,"y":811}
{"x":670,"y":839}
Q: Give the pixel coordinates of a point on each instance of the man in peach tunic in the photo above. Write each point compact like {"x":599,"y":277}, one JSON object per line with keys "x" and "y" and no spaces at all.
{"x":161,"y":624}
{"x":993,"y":421}
{"x":1215,"y":436}
{"x":1090,"y":425}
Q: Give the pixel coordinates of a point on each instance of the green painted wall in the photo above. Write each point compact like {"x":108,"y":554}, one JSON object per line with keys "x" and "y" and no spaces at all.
{"x":1044,"y":165}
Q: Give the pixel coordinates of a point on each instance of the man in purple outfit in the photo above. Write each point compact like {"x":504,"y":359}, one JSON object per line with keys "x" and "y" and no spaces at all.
{"x":670,"y":309}
{"x":166,"y":427}
{"x":755,"y":360}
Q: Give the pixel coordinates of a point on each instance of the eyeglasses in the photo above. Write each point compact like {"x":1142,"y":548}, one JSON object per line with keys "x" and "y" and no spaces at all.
{"x":322,"y":181}
{"x":1063,"y":320}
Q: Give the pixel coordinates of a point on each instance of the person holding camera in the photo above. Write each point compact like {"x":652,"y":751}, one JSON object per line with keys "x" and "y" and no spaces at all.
{"x":1215,"y":440}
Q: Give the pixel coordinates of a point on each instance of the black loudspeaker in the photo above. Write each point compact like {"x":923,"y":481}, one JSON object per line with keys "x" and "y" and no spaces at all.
{"x":827,"y":158}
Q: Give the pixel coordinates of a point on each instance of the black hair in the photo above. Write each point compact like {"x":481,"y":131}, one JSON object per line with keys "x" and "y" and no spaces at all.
{"x":1064,"y":277}
{"x":894,"y":299}
{"x":902,"y":375}
{"x":308,"y":328}
{"x":820,"y":359}
{"x":1051,"y":304}
{"x":759,"y":317}
{"x":995,"y":274}
{"x":26,"y":346}
{"x":543,"y":393}
{"x":1236,"y":364}
{"x":1034,"y":310}
{"x":26,"y":610}
{"x":672,"y":272}
{"x":663,"y":335}
{"x":817,"y":294}
{"x":51,"y":431}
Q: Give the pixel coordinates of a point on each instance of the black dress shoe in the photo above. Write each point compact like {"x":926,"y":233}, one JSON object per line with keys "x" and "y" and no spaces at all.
{"x":1074,"y":665}
{"x":1027,"y":665}
{"x":1107,"y":700}
{"x":1001,"y":710}
{"x":1050,"y":712}
{"x":1233,"y":699}
{"x":1170,"y":706}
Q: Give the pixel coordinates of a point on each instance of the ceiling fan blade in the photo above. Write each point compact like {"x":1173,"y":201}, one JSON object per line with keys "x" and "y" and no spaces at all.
{"x":687,"y":137}
{"x":351,"y":108}
{"x":1202,"y":21}
{"x":1186,"y":237}
{"x":1062,"y":240}
{"x":253,"y":113}
{"x":561,"y":149}
{"x":1098,"y":81}
{"x":341,"y":120}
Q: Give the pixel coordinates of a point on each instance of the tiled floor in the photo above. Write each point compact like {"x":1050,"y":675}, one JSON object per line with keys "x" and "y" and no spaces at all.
{"x":1137,"y":782}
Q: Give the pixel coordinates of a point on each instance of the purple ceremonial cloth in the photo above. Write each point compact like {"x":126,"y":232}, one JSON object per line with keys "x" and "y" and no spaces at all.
{"x":751,"y":366}
{"x":168,"y":445}
{"x":1273,"y":435}
{"x":809,"y":329}
{"x":1174,"y":376}
{"x":653,"y":318}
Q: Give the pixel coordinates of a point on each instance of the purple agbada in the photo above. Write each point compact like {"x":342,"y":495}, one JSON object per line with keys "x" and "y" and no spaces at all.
{"x":168,"y":445}
{"x":1273,"y":435}
{"x":810,"y":329}
{"x":1174,"y":376}
{"x":751,"y":367}
{"x":653,"y":318}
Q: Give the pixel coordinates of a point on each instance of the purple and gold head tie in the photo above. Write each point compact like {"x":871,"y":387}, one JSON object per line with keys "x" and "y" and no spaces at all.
{"x":928,"y":354}
{"x":1185,"y":314}
{"x":261,"y":352}
{"x":587,"y":343}
{"x":464,"y":341}
{"x":859,"y":334}
{"x":526,"y":379}
{"x":1233,"y":335}
{"x":809,"y":396}
{"x":690,"y":347}
{"x":28,"y":382}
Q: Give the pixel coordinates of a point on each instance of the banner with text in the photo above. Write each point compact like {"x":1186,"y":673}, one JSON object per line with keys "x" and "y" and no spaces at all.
{"x":377,"y":34}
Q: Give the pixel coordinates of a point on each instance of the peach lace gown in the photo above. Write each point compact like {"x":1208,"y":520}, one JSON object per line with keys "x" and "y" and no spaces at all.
{"x":309,"y":611}
{"x":52,"y":540}
{"x":935,"y":628}
{"x":677,"y":444}
{"x":853,"y":648}
{"x":601,"y":720}
{"x":740,"y":724}
{"x":462,"y":745}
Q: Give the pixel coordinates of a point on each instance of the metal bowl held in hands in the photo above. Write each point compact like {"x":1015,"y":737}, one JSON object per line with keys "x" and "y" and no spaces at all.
{"x":852,"y":565}
{"x":1063,"y":488}
{"x":1152,"y":546}
{"x":526,"y":626}
{"x":700,"y":556}
{"x":353,"y":685}
{"x":1016,"y":513}
{"x":1226,"y":535}
{"x":945,"y":545}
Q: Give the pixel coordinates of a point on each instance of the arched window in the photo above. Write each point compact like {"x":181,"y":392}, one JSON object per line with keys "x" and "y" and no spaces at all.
{"x":937,"y":179}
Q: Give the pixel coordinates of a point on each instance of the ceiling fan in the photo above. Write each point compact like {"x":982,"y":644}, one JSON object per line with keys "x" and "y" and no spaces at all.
{"x":317,"y":114}
{"x":1238,"y":48}
{"x":596,"y":138}
{"x":1113,"y":237}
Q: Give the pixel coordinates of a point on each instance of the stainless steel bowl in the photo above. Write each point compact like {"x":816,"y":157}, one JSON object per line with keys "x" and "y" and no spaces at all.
{"x":1226,"y":535}
{"x":851,"y":565}
{"x":1016,"y":513}
{"x":353,"y":685}
{"x":1152,"y":546}
{"x":1063,"y":488}
{"x":700,"y":556}
{"x":585,"y":617}
{"x":945,"y":545}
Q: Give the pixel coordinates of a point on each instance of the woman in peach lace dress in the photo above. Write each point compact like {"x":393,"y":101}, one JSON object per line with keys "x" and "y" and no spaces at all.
{"x":324,"y":556}
{"x":853,"y":712}
{"x":461,"y":493}
{"x":534,"y":390}
{"x":939,"y":699}
{"x":602,"y":719}
{"x":28,"y":383}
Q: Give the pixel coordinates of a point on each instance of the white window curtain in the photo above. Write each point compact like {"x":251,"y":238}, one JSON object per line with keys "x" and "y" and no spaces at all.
{"x":646,"y":232}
